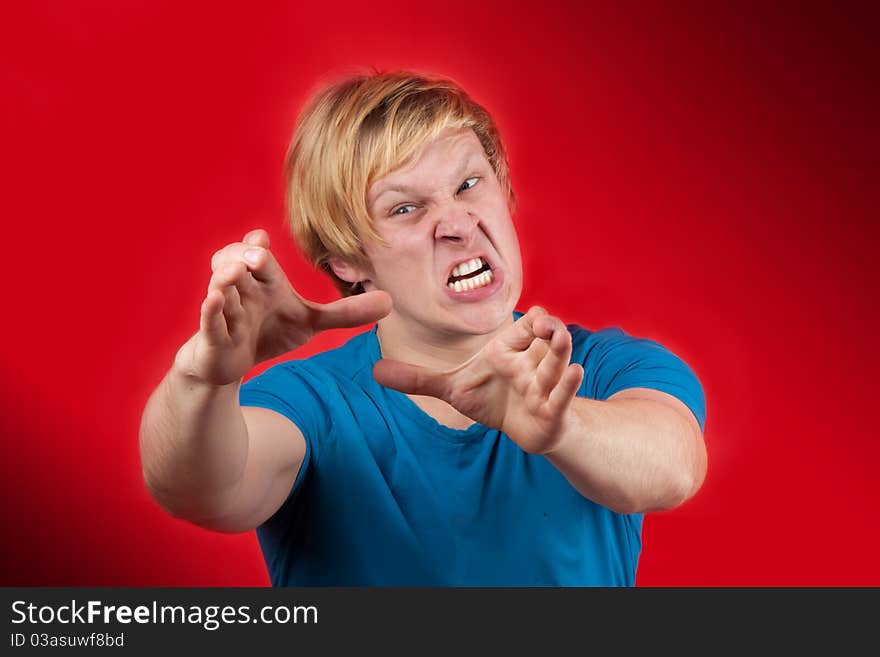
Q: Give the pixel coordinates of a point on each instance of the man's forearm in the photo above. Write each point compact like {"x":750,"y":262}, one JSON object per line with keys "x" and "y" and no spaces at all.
{"x":630,"y":455}
{"x":194,"y":445}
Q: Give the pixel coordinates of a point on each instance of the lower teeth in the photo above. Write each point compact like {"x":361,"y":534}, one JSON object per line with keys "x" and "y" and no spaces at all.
{"x":468,"y":284}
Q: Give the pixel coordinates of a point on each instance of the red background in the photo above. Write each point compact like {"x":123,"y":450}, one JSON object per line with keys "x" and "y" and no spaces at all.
{"x":704,"y":176}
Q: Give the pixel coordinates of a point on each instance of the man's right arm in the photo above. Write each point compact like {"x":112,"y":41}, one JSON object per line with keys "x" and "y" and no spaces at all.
{"x":205,"y":458}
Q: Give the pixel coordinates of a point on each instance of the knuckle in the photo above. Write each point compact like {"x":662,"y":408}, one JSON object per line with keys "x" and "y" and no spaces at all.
{"x":269,"y":258}
{"x":222,"y":256}
{"x":233,"y":270}
{"x":258,"y":251}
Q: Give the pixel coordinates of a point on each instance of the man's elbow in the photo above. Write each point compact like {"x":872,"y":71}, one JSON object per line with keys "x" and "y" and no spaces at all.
{"x":686,"y":489}
{"x":205,"y":514}
{"x":161,"y":496}
{"x":672,"y":497}
{"x":698,"y":465}
{"x":690,"y":479}
{"x":682,"y":486}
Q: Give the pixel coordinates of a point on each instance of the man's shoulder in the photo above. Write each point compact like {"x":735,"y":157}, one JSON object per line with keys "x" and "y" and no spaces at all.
{"x":349,"y":358}
{"x":601,"y":344}
{"x":585,"y":339}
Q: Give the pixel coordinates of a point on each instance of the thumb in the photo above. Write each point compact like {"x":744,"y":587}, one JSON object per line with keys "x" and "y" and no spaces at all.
{"x":349,"y":312}
{"x":411,"y":379}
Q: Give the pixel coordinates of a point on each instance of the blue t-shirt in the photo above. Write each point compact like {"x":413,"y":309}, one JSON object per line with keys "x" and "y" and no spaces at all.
{"x":387,"y":496}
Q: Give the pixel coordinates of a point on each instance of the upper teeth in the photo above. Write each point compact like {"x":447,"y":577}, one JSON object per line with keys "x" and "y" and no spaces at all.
{"x":466,"y":268}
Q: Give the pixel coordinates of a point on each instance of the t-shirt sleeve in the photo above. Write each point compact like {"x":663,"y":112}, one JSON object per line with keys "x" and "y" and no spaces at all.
{"x":616,"y":361}
{"x":295,"y":392}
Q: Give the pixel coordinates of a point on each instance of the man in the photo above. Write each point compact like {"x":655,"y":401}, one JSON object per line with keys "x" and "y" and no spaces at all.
{"x":457,"y":442}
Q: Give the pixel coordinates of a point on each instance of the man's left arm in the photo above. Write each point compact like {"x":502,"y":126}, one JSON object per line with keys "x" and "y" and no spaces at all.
{"x":640,"y":450}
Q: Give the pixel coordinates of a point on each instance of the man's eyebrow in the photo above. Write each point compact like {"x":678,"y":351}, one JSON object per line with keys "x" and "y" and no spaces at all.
{"x":405,"y":189}
{"x":373,"y":199}
{"x":392,"y":188}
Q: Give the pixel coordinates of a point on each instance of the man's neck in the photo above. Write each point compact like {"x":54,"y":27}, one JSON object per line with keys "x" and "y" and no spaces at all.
{"x":441,"y":351}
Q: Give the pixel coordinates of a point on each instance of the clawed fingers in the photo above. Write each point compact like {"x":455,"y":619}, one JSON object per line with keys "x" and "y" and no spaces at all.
{"x":234,"y":283}
{"x":537,"y":350}
{"x":233,"y":311}
{"x":211,"y":321}
{"x":567,"y":388}
{"x":520,"y":336}
{"x":257,"y":237}
{"x":254,"y":254}
{"x":545,"y":343}
{"x":544,"y":325}
{"x":233,"y":274}
{"x":555,"y":361}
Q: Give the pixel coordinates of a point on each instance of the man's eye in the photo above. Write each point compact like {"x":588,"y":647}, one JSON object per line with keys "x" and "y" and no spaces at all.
{"x":402,"y":207}
{"x":467,"y":184}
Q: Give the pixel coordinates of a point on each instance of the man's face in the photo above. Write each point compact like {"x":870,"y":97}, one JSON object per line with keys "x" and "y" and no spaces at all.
{"x":446,"y":220}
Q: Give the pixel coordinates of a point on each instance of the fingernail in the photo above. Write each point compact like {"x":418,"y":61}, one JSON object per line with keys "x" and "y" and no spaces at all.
{"x":252,"y":256}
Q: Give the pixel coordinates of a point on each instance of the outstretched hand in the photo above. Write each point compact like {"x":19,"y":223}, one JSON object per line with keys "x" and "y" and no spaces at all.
{"x":252,"y":313}
{"x":520,"y":383}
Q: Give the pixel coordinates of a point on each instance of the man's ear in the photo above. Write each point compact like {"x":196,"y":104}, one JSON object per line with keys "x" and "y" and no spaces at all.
{"x":346,"y":271}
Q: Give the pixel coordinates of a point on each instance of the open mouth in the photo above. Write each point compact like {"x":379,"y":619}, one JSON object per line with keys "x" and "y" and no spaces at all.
{"x":470,"y":275}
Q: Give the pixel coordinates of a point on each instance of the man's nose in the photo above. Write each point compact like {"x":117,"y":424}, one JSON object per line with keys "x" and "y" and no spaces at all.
{"x":456,"y":224}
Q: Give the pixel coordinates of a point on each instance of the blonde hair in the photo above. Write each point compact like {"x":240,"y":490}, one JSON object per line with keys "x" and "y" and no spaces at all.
{"x":356,"y":131}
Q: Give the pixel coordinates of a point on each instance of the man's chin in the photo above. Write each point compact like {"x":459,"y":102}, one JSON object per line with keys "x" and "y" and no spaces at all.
{"x":483,"y":319}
